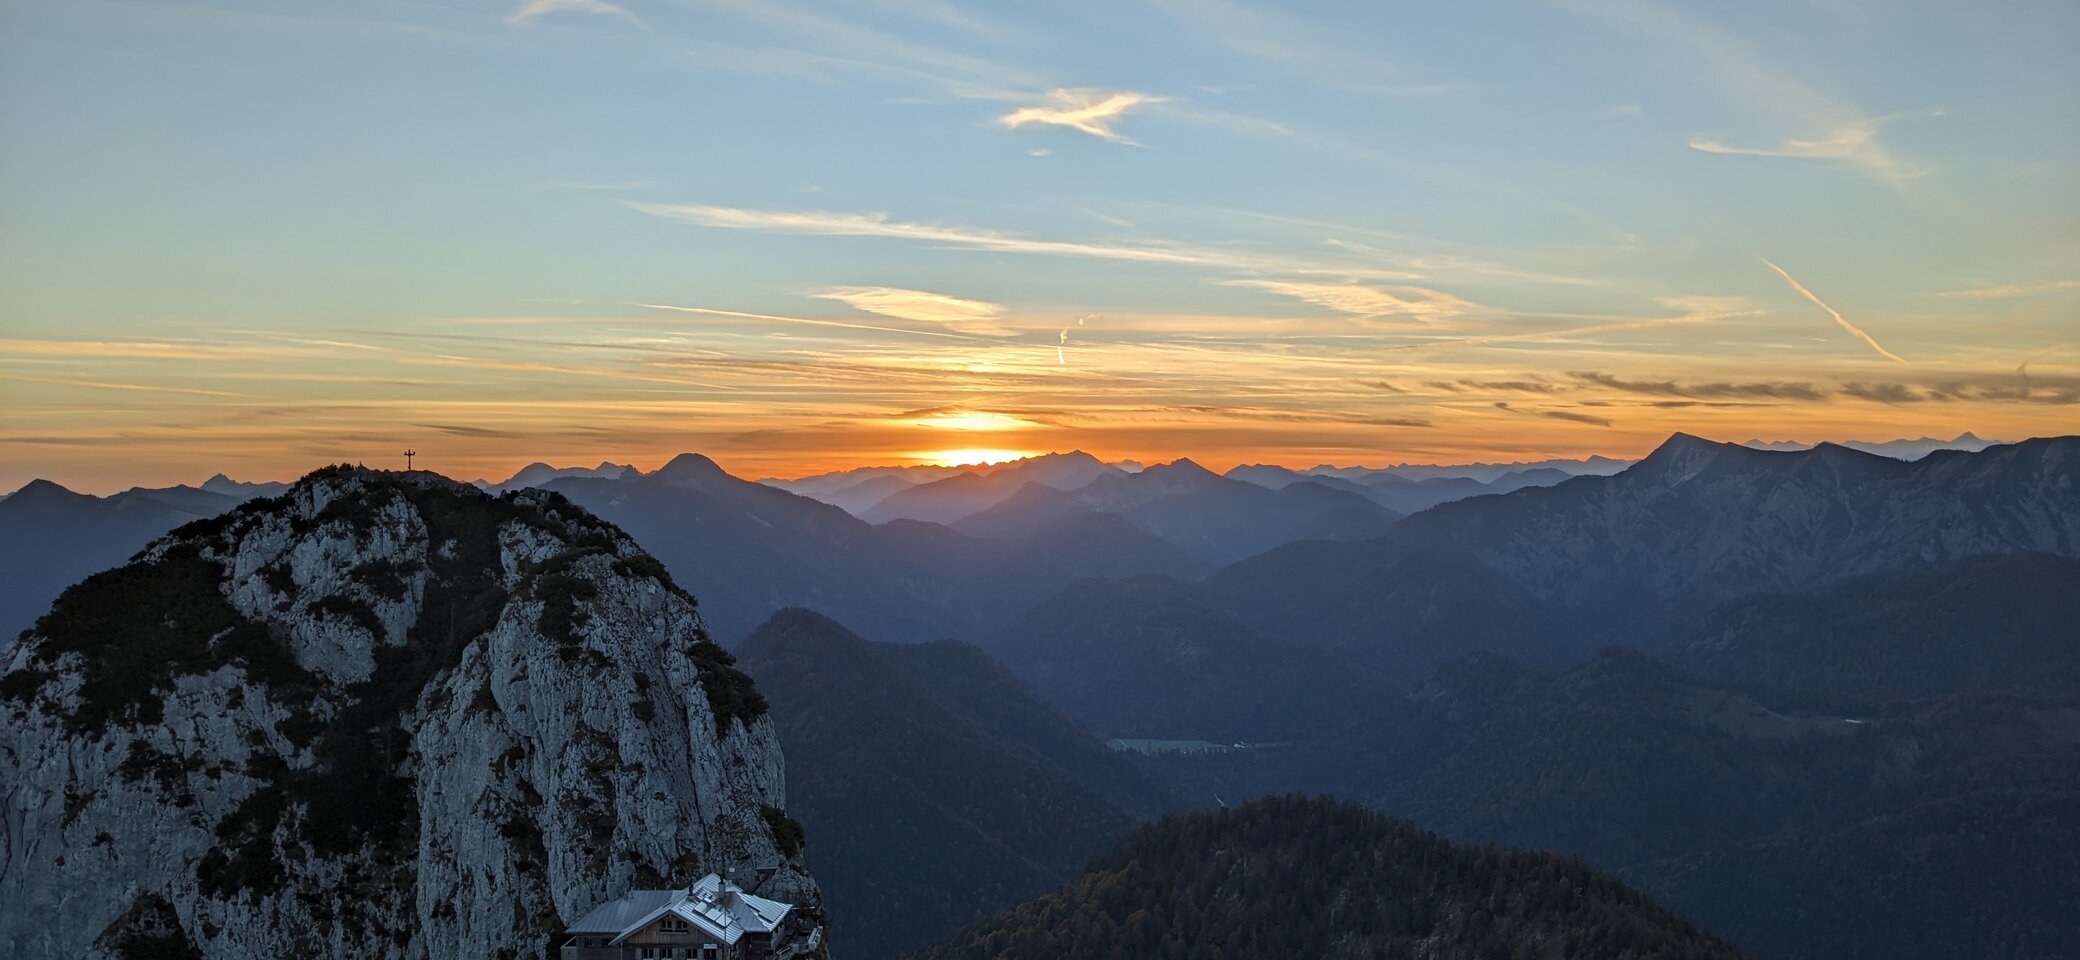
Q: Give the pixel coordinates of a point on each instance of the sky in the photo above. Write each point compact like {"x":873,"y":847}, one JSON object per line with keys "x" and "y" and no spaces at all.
{"x":257,"y":237}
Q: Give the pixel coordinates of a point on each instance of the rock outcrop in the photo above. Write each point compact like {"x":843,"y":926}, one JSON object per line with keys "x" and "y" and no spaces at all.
{"x":383,"y":715}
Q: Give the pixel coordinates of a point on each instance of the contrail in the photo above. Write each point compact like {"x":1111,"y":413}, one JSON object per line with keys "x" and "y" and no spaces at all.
{"x":1061,"y":353}
{"x":2022,"y":369}
{"x":1838,"y":318}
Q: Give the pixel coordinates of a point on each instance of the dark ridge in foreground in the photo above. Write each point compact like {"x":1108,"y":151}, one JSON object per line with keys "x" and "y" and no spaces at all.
{"x":1289,"y":876}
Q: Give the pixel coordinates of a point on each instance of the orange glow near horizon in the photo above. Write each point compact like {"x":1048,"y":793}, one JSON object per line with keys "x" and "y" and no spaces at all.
{"x":971,"y":456}
{"x":974,"y":420}
{"x":100,"y":414}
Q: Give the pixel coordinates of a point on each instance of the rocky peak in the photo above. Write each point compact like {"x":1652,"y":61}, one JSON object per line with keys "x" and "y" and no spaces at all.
{"x":1681,"y":457}
{"x":383,"y":715}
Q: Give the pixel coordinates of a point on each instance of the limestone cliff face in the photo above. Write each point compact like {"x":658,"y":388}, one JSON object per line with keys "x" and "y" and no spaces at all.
{"x":383,"y":715}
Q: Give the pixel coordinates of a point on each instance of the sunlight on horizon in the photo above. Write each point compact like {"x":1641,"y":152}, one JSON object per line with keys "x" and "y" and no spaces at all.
{"x":970,"y":456}
{"x":974,"y":420}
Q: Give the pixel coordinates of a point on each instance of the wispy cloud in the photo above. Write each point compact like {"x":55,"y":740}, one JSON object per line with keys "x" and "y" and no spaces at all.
{"x":1089,"y":111}
{"x":938,"y":12}
{"x":2022,"y":369}
{"x":1576,"y":417}
{"x":1854,"y":142}
{"x":843,"y":224}
{"x":1298,"y":46}
{"x":465,"y":430}
{"x":1107,"y":218}
{"x":140,"y":350}
{"x":876,"y":224}
{"x":1853,"y":329}
{"x":1720,"y":57}
{"x":2013,"y":290}
{"x":1419,"y":304}
{"x":923,"y":306}
{"x":823,"y":45}
{"x":1671,"y":388}
{"x":534,"y":9}
{"x":112,"y":385}
{"x":806,"y":321}
{"x":1893,"y":393}
{"x":1568,"y":415}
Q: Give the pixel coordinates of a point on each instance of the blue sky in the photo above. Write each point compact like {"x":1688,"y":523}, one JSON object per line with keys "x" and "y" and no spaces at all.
{"x":255,"y":236}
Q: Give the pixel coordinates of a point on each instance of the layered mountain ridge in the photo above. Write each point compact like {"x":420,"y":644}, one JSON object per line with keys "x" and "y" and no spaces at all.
{"x":936,"y":786}
{"x":1627,"y":557}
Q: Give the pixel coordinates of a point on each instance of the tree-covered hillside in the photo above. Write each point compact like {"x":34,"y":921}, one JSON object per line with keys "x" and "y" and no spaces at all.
{"x":1289,"y":876}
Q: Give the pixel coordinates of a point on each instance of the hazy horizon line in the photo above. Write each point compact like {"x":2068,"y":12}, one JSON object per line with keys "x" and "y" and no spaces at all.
{"x":1142,"y":461}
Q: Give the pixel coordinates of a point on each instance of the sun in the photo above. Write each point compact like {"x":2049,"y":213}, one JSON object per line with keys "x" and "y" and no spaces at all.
{"x":970,"y":456}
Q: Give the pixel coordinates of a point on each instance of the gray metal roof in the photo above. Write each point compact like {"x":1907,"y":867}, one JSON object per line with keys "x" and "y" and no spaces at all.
{"x":614,"y":916}
{"x":717,"y":906}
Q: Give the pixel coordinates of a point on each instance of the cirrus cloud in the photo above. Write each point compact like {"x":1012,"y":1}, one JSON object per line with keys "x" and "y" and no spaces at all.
{"x":533,"y":9}
{"x":1084,"y":110}
{"x":1853,"y":142}
{"x":922,"y":306}
{"x":1420,"y":304}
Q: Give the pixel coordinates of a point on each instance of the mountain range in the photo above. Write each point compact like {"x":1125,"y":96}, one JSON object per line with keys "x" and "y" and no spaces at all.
{"x":945,"y":501}
{"x":1629,"y":557}
{"x":56,"y":537}
{"x":1897,"y":449}
{"x":1872,"y":705}
{"x":758,"y":549}
{"x":1818,"y":701}
{"x":536,"y":474}
{"x":1214,"y":518}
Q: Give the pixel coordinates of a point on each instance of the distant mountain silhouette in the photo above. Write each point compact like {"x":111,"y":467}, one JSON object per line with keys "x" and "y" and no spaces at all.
{"x":822,"y":485}
{"x":1293,"y":877}
{"x":1897,"y":449}
{"x":755,"y":549}
{"x":931,"y":784}
{"x":1215,"y":518}
{"x":857,"y":498}
{"x":236,"y":490}
{"x":1594,"y":466}
{"x":537,"y":474}
{"x":1145,"y":657}
{"x":949,"y":500}
{"x":55,"y":537}
{"x":1629,"y":556}
{"x":1699,"y":522}
{"x":1401,"y":494}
